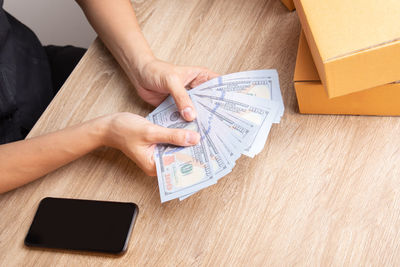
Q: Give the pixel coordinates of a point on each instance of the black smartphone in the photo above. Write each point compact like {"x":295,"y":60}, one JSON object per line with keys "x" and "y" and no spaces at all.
{"x":85,"y":225}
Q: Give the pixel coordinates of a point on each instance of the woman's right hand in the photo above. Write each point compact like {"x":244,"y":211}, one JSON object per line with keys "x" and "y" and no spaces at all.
{"x":136,"y":137}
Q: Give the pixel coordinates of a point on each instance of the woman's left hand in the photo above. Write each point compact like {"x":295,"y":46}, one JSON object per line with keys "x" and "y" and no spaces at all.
{"x":157,"y":79}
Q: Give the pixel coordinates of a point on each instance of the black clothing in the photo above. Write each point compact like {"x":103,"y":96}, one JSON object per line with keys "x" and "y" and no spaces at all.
{"x":63,"y":60}
{"x":30,"y":76}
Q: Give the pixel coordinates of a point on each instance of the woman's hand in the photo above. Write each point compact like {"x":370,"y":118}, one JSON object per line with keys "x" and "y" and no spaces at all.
{"x":118,"y":28}
{"x":156,"y":79}
{"x":24,"y":161}
{"x":136,"y":138}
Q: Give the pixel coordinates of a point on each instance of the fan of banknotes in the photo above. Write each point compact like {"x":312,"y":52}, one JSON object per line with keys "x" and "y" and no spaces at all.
{"x":235,"y":113}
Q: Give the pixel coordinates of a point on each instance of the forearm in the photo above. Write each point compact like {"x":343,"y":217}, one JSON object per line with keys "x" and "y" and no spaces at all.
{"x":116,"y":24}
{"x":24,"y":161}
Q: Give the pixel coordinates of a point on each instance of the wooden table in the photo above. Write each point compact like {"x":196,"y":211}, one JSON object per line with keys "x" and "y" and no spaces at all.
{"x":325,"y":189}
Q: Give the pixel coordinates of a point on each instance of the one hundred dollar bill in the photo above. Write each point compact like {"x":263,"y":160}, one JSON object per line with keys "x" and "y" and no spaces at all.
{"x":235,"y":113}
{"x":180,"y":170}
{"x":259,"y":83}
{"x":249,"y":109}
{"x":244,"y":132}
{"x":220,"y":162}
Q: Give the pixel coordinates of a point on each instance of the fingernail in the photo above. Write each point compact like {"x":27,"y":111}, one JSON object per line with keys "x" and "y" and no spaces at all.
{"x":188,"y":114}
{"x":192,"y":138}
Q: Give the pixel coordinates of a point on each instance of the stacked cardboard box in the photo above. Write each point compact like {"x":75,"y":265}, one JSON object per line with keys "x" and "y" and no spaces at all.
{"x":313,"y":98}
{"x":349,"y":57}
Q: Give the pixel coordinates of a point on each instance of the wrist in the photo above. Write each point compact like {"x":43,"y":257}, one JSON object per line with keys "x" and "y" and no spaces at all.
{"x":99,"y":130}
{"x":137,"y":64}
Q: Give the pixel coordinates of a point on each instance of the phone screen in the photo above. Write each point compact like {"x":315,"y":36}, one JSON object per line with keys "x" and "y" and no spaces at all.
{"x":87,"y":225}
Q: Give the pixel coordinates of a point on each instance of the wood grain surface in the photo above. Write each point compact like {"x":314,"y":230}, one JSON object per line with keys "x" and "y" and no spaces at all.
{"x":324,"y":191}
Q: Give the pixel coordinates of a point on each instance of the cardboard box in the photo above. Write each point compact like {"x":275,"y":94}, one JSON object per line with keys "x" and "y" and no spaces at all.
{"x":289,"y":4}
{"x":313,"y":99}
{"x":355,"y":44}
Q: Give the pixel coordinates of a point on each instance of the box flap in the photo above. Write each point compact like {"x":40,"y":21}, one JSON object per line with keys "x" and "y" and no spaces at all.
{"x":305,"y":69}
{"x":341,"y":28}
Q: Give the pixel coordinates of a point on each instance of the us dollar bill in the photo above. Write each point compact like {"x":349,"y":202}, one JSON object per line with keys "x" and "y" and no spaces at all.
{"x":180,"y":170}
{"x":249,"y":109}
{"x":242,"y":131}
{"x":235,"y":113}
{"x":220,"y":162}
{"x":260,"y":83}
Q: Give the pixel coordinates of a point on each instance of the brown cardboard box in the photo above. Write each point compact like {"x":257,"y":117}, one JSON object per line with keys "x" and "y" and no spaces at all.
{"x":313,"y":99}
{"x":355,"y":44}
{"x":289,"y":4}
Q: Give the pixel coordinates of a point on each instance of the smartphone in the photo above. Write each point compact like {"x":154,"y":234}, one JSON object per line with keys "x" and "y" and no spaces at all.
{"x":84,"y":225}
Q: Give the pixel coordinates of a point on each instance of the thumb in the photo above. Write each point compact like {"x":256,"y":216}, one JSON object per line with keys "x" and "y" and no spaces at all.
{"x":178,"y":137}
{"x":181,"y":97}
